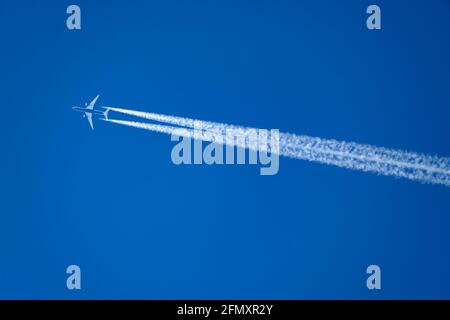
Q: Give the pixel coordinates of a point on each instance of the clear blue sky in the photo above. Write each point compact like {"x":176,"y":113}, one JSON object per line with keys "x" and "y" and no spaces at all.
{"x":112,"y":202}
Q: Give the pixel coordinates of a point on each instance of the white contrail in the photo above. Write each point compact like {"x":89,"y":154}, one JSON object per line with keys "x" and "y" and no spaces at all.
{"x":205,"y":135}
{"x":410,"y":165}
{"x":179,"y":121}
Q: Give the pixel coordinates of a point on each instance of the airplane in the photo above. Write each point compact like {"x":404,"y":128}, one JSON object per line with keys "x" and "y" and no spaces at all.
{"x":89,"y":111}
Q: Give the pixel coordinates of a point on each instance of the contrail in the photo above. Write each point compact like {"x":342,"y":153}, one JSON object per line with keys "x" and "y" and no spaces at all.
{"x":205,"y":135}
{"x":389,"y":162}
{"x":179,"y":121}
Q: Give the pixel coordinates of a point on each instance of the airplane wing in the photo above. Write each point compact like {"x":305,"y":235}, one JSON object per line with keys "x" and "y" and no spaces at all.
{"x":89,"y":117}
{"x":91,"y":105}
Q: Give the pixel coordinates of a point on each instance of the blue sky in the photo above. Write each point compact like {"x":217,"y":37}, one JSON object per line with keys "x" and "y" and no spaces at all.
{"x":112,"y":202}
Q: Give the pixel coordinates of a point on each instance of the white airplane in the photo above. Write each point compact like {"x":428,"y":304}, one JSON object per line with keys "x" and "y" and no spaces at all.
{"x":89,"y":111}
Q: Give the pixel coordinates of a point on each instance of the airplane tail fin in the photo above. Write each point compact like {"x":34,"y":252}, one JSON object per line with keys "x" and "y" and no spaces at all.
{"x":105,"y":114}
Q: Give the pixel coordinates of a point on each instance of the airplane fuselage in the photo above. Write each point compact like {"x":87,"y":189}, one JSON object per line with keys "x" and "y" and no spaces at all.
{"x":92,"y":111}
